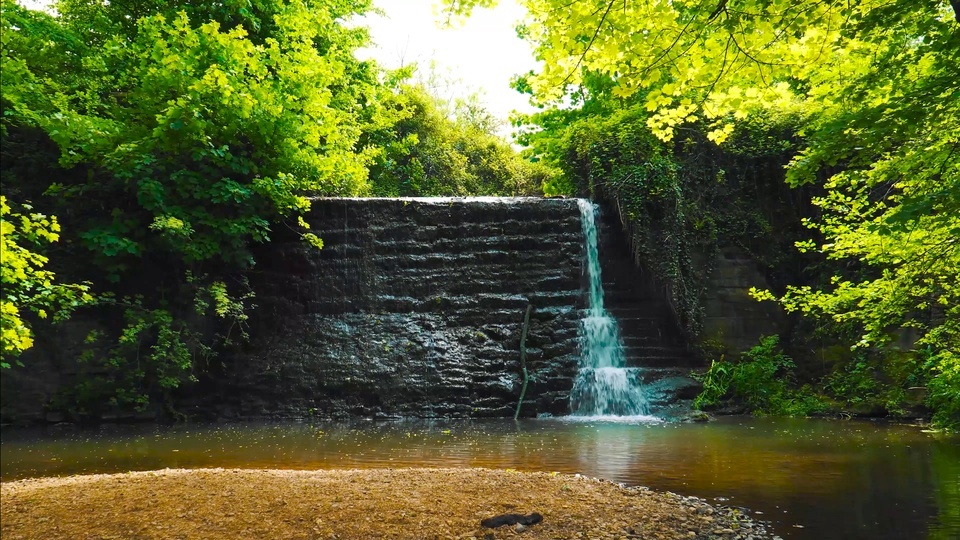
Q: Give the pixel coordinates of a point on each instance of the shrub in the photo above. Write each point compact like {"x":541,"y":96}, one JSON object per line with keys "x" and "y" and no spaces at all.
{"x":760,"y":380}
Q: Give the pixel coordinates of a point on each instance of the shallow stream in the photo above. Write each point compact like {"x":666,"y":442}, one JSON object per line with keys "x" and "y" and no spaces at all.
{"x":813,"y":479}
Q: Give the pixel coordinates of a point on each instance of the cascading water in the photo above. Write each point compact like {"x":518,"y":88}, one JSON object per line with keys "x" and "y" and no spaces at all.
{"x":603,"y":387}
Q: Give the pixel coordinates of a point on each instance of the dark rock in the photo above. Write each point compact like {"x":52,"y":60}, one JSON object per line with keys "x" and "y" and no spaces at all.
{"x":674,"y":386}
{"x":699,"y":416}
{"x":511,"y":519}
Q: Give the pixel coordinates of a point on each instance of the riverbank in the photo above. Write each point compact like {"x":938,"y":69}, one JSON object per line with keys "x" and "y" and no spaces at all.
{"x":354,"y":504}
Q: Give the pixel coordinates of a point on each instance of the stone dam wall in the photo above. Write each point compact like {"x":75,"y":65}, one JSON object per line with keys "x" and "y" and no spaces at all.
{"x":414,"y":308}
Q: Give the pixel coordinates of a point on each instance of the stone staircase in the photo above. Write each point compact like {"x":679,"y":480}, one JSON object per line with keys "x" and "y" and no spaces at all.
{"x":653,"y":342}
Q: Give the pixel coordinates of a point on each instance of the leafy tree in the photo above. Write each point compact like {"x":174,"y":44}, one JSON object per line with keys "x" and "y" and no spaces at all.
{"x":27,"y":286}
{"x":870,"y":87}
{"x":170,"y":138}
{"x":440,"y":149}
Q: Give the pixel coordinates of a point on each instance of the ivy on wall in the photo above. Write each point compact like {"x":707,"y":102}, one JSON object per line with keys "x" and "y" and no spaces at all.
{"x":683,"y":202}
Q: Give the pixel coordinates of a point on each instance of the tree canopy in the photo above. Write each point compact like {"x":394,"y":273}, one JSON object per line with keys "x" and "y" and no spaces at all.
{"x":870,"y":92}
{"x":169,"y":139}
{"x":27,"y":286}
{"x":443,"y":149}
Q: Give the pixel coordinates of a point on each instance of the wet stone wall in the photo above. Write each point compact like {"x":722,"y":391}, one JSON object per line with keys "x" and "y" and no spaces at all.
{"x":413,"y":308}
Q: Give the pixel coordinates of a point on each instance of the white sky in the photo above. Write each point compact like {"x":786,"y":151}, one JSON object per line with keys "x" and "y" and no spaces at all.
{"x":481,"y":54}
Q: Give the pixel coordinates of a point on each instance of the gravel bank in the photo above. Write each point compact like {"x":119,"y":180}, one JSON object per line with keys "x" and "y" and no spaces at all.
{"x":354,"y":504}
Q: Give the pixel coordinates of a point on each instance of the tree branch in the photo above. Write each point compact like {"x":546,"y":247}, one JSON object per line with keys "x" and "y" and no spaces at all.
{"x":723,"y":5}
{"x":589,"y":45}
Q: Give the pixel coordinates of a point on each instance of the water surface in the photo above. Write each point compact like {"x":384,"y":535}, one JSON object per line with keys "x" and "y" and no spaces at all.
{"x":813,"y":479}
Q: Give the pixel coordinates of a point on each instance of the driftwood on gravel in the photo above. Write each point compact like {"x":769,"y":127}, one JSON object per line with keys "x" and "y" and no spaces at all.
{"x":511,"y":519}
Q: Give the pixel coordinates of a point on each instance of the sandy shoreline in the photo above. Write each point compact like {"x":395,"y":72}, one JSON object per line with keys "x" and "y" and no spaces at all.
{"x":353,"y":504}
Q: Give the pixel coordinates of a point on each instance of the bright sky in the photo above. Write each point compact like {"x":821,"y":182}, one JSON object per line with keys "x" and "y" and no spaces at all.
{"x":482,"y":54}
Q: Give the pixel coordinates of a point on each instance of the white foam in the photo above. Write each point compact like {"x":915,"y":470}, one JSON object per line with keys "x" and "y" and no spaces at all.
{"x":610,"y":419}
{"x":604,"y":388}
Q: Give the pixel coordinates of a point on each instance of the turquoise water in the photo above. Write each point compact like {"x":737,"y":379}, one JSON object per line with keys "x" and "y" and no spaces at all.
{"x":813,"y":479}
{"x":602,"y":385}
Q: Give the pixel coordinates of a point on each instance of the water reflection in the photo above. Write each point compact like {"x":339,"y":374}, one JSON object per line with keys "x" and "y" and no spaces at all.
{"x":847,"y":480}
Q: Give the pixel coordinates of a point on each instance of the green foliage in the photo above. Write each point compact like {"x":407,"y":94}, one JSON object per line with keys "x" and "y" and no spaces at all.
{"x":876,"y":382}
{"x":680,"y":203}
{"x":156,"y":350}
{"x":172,"y":137}
{"x":438,"y":150}
{"x":455,"y":9}
{"x":762,"y":381}
{"x":614,"y":157}
{"x":716,"y":384}
{"x":558,"y":185}
{"x":870,"y":90}
{"x":27,"y":287}
{"x":943,"y":384}
{"x":854,"y":382}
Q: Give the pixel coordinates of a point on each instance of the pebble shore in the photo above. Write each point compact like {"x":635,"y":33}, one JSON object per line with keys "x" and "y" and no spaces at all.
{"x":403,"y":503}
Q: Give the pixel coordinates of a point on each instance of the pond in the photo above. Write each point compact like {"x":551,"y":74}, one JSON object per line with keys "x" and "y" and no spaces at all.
{"x":813,"y":479}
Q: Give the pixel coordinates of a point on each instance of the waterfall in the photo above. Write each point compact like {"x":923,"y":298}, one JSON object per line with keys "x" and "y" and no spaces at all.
{"x":603,"y":387}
